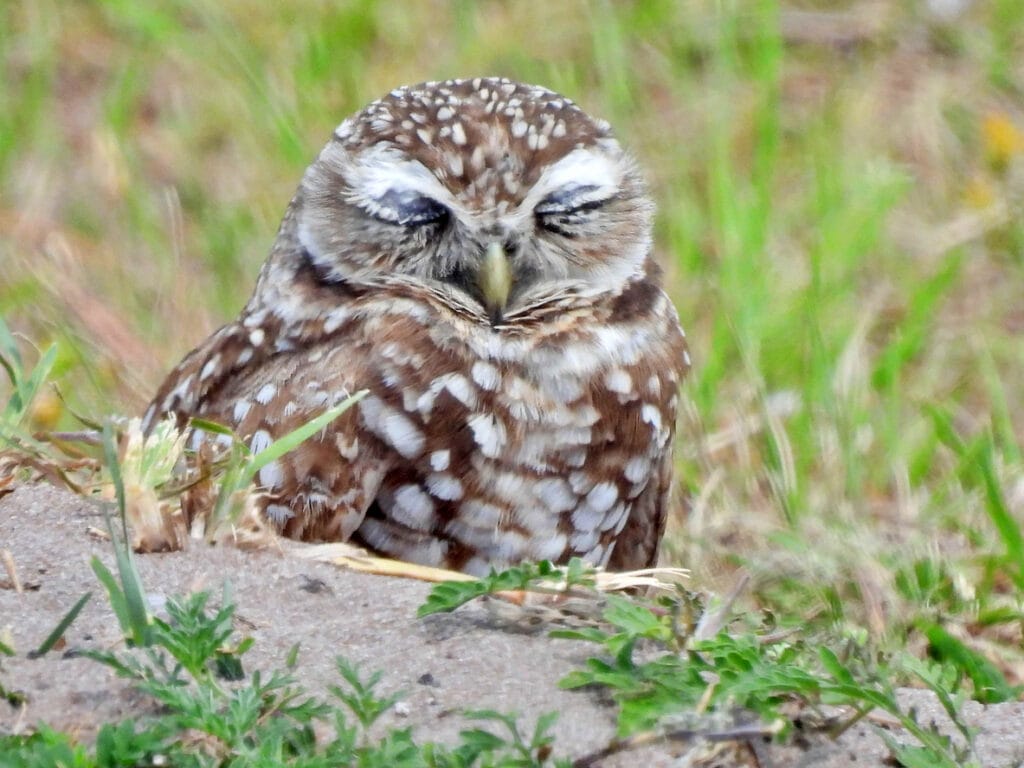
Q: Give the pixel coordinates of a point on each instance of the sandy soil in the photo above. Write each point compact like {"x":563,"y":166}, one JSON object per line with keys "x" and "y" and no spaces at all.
{"x":443,"y":664}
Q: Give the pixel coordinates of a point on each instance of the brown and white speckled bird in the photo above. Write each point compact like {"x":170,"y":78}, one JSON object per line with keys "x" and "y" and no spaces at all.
{"x":477,"y":254}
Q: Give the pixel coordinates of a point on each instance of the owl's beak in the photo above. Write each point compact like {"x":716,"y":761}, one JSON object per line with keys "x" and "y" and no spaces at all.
{"x":495,"y":280}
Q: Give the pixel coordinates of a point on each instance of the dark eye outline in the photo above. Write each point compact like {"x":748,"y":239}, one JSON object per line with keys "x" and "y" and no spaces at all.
{"x":570,"y":200}
{"x":561,"y":210}
{"x":409,"y":209}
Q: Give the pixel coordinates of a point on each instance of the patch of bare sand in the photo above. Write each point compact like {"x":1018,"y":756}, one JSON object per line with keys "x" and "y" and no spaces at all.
{"x":443,"y":664}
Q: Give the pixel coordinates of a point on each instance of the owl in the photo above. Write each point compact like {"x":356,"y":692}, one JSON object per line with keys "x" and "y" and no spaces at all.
{"x":476,"y":254}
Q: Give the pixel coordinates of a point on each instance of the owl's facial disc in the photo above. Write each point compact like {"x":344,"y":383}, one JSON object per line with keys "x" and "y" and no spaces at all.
{"x":430,"y":183}
{"x":494,"y":251}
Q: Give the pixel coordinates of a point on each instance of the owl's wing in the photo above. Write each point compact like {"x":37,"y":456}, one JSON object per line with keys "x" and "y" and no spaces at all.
{"x":263,"y":389}
{"x":637,"y":546}
{"x":662,"y":369}
{"x":204,"y":371}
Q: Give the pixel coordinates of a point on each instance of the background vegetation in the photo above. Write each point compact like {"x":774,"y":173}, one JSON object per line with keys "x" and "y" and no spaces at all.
{"x":840,"y":191}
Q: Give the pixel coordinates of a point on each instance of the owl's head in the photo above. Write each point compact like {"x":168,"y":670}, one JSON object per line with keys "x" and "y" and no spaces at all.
{"x":496,"y":196}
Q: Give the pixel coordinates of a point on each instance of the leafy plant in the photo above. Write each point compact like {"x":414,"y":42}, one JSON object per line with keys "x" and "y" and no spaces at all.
{"x":25,"y":386}
{"x":658,"y":670}
{"x":210,"y":715}
{"x":537,"y":577}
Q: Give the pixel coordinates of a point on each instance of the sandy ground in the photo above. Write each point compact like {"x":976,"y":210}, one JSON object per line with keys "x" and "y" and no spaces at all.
{"x":443,"y":664}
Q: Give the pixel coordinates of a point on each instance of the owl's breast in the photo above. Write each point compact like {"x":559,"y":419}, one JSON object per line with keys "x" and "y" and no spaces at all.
{"x":513,"y":447}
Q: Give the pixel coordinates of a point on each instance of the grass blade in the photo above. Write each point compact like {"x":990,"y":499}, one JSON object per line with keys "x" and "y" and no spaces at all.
{"x":30,"y":388}
{"x":114,"y":467}
{"x":9,"y":357}
{"x":990,"y":686}
{"x":114,"y":593}
{"x":293,"y":439}
{"x":135,"y":614}
{"x":62,"y":625}
{"x":1006,"y":525}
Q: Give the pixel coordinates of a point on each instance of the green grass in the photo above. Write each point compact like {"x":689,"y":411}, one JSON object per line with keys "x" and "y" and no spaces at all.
{"x":840,"y":224}
{"x":214,"y":714}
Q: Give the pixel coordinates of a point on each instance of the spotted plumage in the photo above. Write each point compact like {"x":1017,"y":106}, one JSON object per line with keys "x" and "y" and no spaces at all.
{"x":476,"y":254}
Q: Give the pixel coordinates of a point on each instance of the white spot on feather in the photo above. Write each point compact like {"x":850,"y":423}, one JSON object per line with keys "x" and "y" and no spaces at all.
{"x":621,"y":523}
{"x":460,"y":388}
{"x":444,"y":486}
{"x":209,"y":368}
{"x":271,"y":475}
{"x":486,"y":375}
{"x":581,"y":482}
{"x":616,"y":518}
{"x":458,"y":134}
{"x":279,"y":514}
{"x":602,"y":496}
{"x":483,"y":513}
{"x":335,"y":319}
{"x":413,"y":507}
{"x":586,"y":519}
{"x":488,"y":433}
{"x":347,"y":449}
{"x":595,"y":555}
{"x":179,"y":393}
{"x":401,"y":434}
{"x":618,"y":380}
{"x":240,"y":410}
{"x":425,"y":402}
{"x":652,"y":416}
{"x":555,"y":494}
{"x":548,"y":547}
{"x":584,"y":541}
{"x":635,"y":470}
{"x":439,"y":460}
{"x":260,"y":441}
{"x":266,"y":393}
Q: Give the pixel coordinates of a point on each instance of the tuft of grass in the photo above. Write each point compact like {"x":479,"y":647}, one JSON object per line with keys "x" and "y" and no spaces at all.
{"x":666,"y":677}
{"x":25,"y":385}
{"x":212,"y":714}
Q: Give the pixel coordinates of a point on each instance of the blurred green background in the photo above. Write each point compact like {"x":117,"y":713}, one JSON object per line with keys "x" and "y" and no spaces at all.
{"x":839,"y":190}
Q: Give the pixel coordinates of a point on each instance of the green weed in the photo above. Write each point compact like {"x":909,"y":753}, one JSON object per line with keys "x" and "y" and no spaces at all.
{"x":661,"y":671}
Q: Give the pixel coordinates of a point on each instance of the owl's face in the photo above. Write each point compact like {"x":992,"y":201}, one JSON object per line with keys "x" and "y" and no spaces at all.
{"x":496,"y":197}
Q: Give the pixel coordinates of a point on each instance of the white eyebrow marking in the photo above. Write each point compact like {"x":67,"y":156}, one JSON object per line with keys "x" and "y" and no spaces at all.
{"x":580,"y":168}
{"x":380,"y":170}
